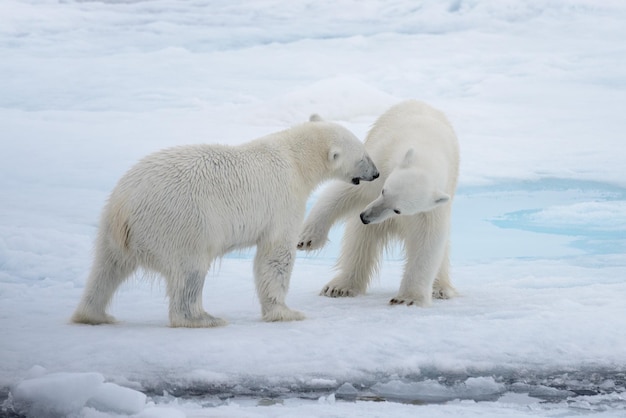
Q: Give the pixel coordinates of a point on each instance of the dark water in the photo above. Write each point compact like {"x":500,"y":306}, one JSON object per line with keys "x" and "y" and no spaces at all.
{"x":595,"y":387}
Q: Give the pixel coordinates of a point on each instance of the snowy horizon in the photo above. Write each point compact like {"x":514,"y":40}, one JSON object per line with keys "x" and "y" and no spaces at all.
{"x":535,"y":90}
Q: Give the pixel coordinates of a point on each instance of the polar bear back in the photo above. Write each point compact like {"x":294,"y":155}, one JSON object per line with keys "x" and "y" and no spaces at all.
{"x":176,"y":193}
{"x":414,"y":124}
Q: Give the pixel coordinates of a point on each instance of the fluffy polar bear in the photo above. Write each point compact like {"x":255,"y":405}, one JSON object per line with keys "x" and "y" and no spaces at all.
{"x":416,"y":150}
{"x":179,"y":209}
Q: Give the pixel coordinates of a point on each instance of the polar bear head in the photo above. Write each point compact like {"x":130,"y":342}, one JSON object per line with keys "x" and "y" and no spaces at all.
{"x":350,"y":162}
{"x":347,"y":157}
{"x":408,"y":190}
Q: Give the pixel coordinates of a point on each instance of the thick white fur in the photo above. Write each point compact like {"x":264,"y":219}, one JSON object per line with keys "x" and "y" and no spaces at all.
{"x":179,"y":209}
{"x":416,"y":151}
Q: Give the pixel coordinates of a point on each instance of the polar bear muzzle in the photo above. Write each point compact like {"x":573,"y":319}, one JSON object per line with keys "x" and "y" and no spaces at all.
{"x":366,"y":165}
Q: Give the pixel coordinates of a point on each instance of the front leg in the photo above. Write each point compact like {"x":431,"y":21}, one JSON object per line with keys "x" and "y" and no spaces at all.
{"x":442,"y":288}
{"x":337,"y":201}
{"x":361,"y":249}
{"x":424,"y":254}
{"x":273,"y":265}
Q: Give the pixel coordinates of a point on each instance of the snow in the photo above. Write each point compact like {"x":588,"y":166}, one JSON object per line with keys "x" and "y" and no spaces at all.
{"x":59,"y":394}
{"x":56,"y":393}
{"x":536,"y":92}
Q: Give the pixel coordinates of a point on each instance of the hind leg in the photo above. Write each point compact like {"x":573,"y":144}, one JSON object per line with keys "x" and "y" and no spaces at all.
{"x":110,"y":268}
{"x":185,"y":293}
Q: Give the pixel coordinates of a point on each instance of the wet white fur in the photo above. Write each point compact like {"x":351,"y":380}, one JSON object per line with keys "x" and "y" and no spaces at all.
{"x":179,"y":209}
{"x":416,"y":151}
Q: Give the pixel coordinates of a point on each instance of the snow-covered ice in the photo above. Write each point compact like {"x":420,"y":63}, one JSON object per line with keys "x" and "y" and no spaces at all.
{"x":536,"y":90}
{"x":66,"y":393}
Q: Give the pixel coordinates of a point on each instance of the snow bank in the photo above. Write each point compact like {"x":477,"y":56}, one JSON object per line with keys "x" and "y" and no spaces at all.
{"x":338,"y":98}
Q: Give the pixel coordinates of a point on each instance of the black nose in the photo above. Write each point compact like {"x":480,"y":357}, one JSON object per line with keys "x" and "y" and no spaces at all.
{"x":376,"y":175}
{"x":356,"y":180}
{"x":365,"y":221}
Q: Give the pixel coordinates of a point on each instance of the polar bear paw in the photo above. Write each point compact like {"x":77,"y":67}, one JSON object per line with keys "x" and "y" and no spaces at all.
{"x":203,"y":321}
{"x":312,"y":238}
{"x":444,"y":292}
{"x":90,"y":318}
{"x":282,"y":314}
{"x":410,"y":300}
{"x":338,"y":291}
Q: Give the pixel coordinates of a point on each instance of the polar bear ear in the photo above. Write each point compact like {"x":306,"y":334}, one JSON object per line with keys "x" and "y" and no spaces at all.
{"x":440,"y":198}
{"x":315,"y":118}
{"x":334,"y":154}
{"x":409,"y":158}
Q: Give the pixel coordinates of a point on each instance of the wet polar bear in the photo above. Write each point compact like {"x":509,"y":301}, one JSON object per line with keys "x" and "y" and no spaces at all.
{"x":416,"y":151}
{"x":179,"y":209}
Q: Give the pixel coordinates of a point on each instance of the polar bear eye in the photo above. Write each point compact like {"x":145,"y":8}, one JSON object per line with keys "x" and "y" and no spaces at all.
{"x":397,"y":211}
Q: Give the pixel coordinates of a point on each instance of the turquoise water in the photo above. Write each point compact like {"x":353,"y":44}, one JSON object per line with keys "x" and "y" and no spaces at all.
{"x":589,"y":216}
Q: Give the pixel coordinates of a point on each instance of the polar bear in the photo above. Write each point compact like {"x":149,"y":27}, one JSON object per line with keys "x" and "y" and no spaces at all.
{"x":179,"y":209}
{"x":416,"y":150}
